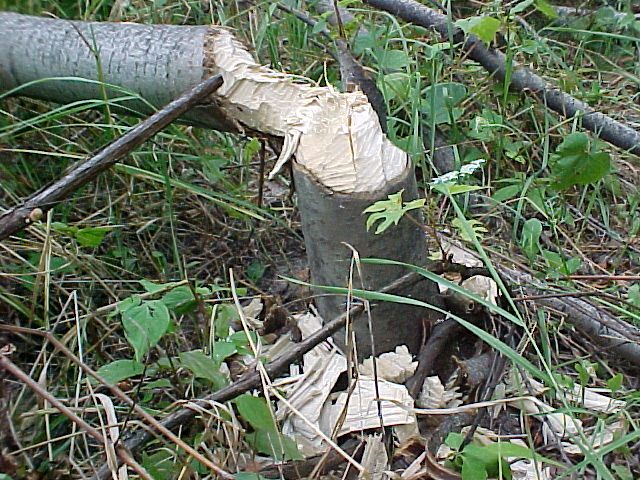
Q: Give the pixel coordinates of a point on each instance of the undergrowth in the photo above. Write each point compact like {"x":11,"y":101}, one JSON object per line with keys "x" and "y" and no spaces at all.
{"x":154,"y":241}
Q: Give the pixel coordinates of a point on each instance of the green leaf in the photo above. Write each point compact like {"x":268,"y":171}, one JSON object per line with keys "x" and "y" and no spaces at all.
{"x":546,"y":8}
{"x":390,"y":211}
{"x":394,"y":60}
{"x":319,"y":26}
{"x":615,"y":383}
{"x":531,"y":231}
{"x":144,"y":325}
{"x":466,"y":228}
{"x":180,"y":300}
{"x":90,"y":237}
{"x":455,"y":189}
{"x":508,"y":449}
{"x":395,"y":84}
{"x":454,"y":440}
{"x":558,"y":262}
{"x":256,"y":270}
{"x":223,"y":350}
{"x":506,"y":193}
{"x":158,"y":384}
{"x":583,"y":374}
{"x":521,"y":7}
{"x":484,"y":27}
{"x":439,"y":102}
{"x":203,"y":366}
{"x":119,"y":370}
{"x":63,"y":228}
{"x":152,"y":287}
{"x":240,"y":338}
{"x":161,"y":465}
{"x":473,"y":468}
{"x":252,"y":147}
{"x":484,"y":126}
{"x":633,"y":293}
{"x":573,"y":164}
{"x":275,"y":444}
{"x":255,"y":411}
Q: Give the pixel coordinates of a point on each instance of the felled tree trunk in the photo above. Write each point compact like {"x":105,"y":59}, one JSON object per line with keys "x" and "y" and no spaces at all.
{"x":343,"y":162}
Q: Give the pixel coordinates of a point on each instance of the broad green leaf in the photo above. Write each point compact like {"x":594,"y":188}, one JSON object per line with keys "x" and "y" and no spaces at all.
{"x":157,"y":384}
{"x":473,"y":469}
{"x":573,"y":163}
{"x":223,"y":349}
{"x":119,"y":370}
{"x":203,"y":366}
{"x":508,"y":449}
{"x":506,"y":193}
{"x":439,"y":102}
{"x":255,"y":411}
{"x":180,"y":300}
{"x":275,"y":444}
{"x":395,"y":84}
{"x":64,"y":228}
{"x":91,"y":237}
{"x":484,"y":27}
{"x":161,"y":465}
{"x":240,"y":338}
{"x":394,"y":60}
{"x":454,"y":440}
{"x":152,"y":287}
{"x":144,"y":325}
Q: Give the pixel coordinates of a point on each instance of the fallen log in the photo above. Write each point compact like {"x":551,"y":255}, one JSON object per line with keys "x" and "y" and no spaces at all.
{"x":520,"y":78}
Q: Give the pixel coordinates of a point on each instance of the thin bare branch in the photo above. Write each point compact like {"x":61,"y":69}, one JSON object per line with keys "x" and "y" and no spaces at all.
{"x":46,"y":198}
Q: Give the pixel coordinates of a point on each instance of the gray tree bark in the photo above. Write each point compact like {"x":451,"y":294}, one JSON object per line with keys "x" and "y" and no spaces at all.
{"x":161,"y":61}
{"x":327,"y":220}
{"x":158,"y":62}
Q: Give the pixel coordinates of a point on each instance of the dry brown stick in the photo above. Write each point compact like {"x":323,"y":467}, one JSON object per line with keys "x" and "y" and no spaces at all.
{"x":521,"y":79}
{"x":46,"y":198}
{"x":122,"y":453}
{"x":441,"y":337}
{"x":124,"y":397}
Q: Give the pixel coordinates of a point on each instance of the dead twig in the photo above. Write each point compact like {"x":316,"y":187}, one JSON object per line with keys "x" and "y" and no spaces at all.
{"x":47,"y":197}
{"x":122,"y":453}
{"x":116,"y":391}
